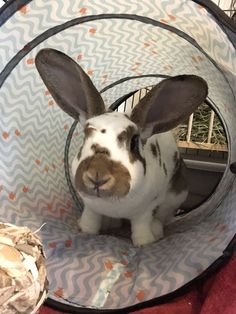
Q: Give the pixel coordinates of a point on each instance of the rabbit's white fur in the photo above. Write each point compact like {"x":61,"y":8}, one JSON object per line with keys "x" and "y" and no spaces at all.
{"x":147,"y":189}
{"x":114,"y":179}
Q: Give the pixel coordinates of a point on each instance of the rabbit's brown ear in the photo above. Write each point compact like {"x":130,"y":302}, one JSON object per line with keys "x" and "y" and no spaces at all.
{"x":69,"y":85}
{"x":169,"y":103}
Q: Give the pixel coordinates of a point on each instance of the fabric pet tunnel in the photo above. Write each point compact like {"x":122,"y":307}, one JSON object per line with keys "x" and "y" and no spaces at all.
{"x":123,"y":46}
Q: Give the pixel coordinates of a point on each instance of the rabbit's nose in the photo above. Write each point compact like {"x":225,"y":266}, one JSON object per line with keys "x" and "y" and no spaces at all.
{"x":98,"y":182}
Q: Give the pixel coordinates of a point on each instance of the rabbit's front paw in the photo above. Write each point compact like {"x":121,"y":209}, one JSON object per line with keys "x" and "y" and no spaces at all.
{"x":90,"y":222}
{"x":157,"y":229}
{"x":87,"y":228}
{"x":143,"y":239}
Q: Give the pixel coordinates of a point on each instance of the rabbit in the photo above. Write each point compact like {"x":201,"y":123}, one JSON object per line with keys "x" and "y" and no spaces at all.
{"x":128,"y":166}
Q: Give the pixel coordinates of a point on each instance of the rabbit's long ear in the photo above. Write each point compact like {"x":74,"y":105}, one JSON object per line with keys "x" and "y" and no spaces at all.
{"x":69,"y":85}
{"x":169,"y":103}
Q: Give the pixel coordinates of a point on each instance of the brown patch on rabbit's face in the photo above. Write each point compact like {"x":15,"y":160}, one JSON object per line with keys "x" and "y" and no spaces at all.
{"x":129,"y":139}
{"x":100,"y":176}
{"x":97,"y":149}
{"x":125,"y":136}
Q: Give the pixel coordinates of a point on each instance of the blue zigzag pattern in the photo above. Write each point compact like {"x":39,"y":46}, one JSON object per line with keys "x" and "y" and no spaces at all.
{"x":33,"y":131}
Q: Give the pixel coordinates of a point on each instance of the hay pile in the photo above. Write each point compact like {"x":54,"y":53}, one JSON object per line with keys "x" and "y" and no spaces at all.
{"x":200,"y":127}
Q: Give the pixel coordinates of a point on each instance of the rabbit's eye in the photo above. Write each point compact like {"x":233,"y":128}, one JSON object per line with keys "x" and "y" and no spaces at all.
{"x":134,"y":143}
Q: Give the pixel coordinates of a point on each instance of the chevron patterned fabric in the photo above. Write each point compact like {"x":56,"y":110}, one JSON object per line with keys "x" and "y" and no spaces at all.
{"x":132,"y":41}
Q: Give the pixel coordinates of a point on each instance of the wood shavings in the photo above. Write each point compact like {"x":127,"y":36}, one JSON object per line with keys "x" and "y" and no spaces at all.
{"x":23,"y":282}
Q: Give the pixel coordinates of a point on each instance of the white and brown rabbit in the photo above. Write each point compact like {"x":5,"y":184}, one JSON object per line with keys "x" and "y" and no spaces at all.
{"x":127,"y":167}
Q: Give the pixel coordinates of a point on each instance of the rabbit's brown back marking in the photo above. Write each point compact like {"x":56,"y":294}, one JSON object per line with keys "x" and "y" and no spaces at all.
{"x":178,"y":182}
